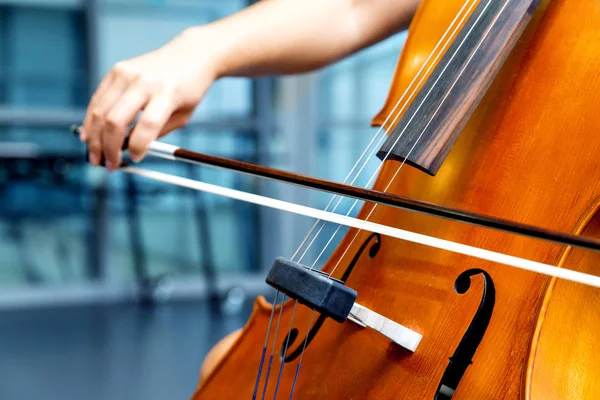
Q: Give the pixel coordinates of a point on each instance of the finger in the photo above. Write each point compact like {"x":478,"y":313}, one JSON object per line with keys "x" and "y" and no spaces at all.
{"x":151,"y":123}
{"x":118,"y":119}
{"x":104,"y":85}
{"x":178,"y":119}
{"x":97,"y":118}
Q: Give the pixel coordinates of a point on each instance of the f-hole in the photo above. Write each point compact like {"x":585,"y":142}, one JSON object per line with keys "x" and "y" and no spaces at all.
{"x":291,"y":337}
{"x":463,"y":356}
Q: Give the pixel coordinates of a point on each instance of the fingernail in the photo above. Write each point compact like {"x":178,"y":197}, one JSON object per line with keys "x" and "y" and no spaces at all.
{"x":110,"y":166}
{"x":94,"y":159}
{"x":134,"y":158}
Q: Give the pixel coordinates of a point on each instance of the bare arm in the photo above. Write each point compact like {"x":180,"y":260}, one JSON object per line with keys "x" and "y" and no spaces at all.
{"x":270,"y":37}
{"x":294,"y":36}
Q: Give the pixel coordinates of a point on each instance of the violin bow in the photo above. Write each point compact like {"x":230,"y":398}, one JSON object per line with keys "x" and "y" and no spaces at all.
{"x":175,"y":153}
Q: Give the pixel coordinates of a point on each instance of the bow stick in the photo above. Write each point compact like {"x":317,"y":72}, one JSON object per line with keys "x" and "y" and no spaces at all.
{"x":171,"y":152}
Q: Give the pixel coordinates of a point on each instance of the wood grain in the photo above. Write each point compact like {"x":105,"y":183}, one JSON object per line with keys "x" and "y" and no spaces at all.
{"x":564,"y":360}
{"x":529,"y":153}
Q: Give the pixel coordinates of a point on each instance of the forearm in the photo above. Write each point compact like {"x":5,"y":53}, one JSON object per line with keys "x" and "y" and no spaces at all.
{"x":295,"y":36}
{"x":272,"y":37}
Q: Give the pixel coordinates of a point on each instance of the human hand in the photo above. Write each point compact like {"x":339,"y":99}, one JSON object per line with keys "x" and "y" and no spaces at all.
{"x":166,"y":85}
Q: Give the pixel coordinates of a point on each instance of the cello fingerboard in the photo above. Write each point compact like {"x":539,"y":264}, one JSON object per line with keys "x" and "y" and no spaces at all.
{"x":432,"y":123}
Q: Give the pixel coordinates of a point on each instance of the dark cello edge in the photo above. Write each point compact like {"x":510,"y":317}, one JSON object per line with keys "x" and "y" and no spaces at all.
{"x":389,"y":200}
{"x":381,"y":198}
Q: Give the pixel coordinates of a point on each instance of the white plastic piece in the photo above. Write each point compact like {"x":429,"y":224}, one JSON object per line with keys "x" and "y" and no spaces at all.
{"x":162,"y":150}
{"x":401,"y":335}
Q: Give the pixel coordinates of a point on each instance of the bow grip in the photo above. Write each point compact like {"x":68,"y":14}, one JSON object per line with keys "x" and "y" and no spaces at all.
{"x":76,"y":131}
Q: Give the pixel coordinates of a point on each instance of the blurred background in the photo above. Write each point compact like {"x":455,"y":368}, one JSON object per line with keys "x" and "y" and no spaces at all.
{"x":115,"y":287}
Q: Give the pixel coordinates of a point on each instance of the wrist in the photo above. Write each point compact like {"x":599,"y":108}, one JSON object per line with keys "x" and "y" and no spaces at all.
{"x":206,"y":50}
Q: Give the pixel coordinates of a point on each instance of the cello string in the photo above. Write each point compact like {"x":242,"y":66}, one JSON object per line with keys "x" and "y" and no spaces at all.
{"x":444,"y":41}
{"x":316,"y":223}
{"x":432,"y":117}
{"x":374,"y":175}
{"x":312,"y":317}
{"x":264,"y":350}
{"x":400,"y":101}
{"x":310,"y":232}
{"x":287,"y":342}
{"x":430,"y":66}
{"x":273,"y":349}
{"x":346,"y":180}
{"x":262,"y":358}
{"x":308,"y":235}
{"x":379,"y":142}
{"x":451,"y":28}
{"x":402,"y":133}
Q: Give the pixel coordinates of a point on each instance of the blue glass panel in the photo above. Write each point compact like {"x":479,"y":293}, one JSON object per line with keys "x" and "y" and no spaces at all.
{"x":43,"y":57}
{"x":180,"y":229}
{"x":355,"y":88}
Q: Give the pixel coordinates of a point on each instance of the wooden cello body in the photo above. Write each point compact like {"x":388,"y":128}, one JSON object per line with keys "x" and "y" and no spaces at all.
{"x":529,"y":153}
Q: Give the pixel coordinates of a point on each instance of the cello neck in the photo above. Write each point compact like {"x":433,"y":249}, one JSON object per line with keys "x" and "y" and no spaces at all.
{"x":425,"y":134}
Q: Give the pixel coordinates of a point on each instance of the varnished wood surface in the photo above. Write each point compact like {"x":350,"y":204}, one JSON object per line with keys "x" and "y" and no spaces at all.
{"x":565,"y":356}
{"x":529,"y":154}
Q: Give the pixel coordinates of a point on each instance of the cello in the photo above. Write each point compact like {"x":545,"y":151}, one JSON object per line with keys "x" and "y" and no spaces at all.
{"x":526,"y":149}
{"x":492,"y":110}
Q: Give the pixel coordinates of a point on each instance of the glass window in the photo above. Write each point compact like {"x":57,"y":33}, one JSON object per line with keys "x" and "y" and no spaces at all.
{"x":43,"y":57}
{"x":3,"y":55}
{"x":354,"y":89}
{"x":94,"y":225}
{"x":46,"y":220}
{"x":181,"y":231}
{"x":158,"y":227}
{"x":45,"y":206}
